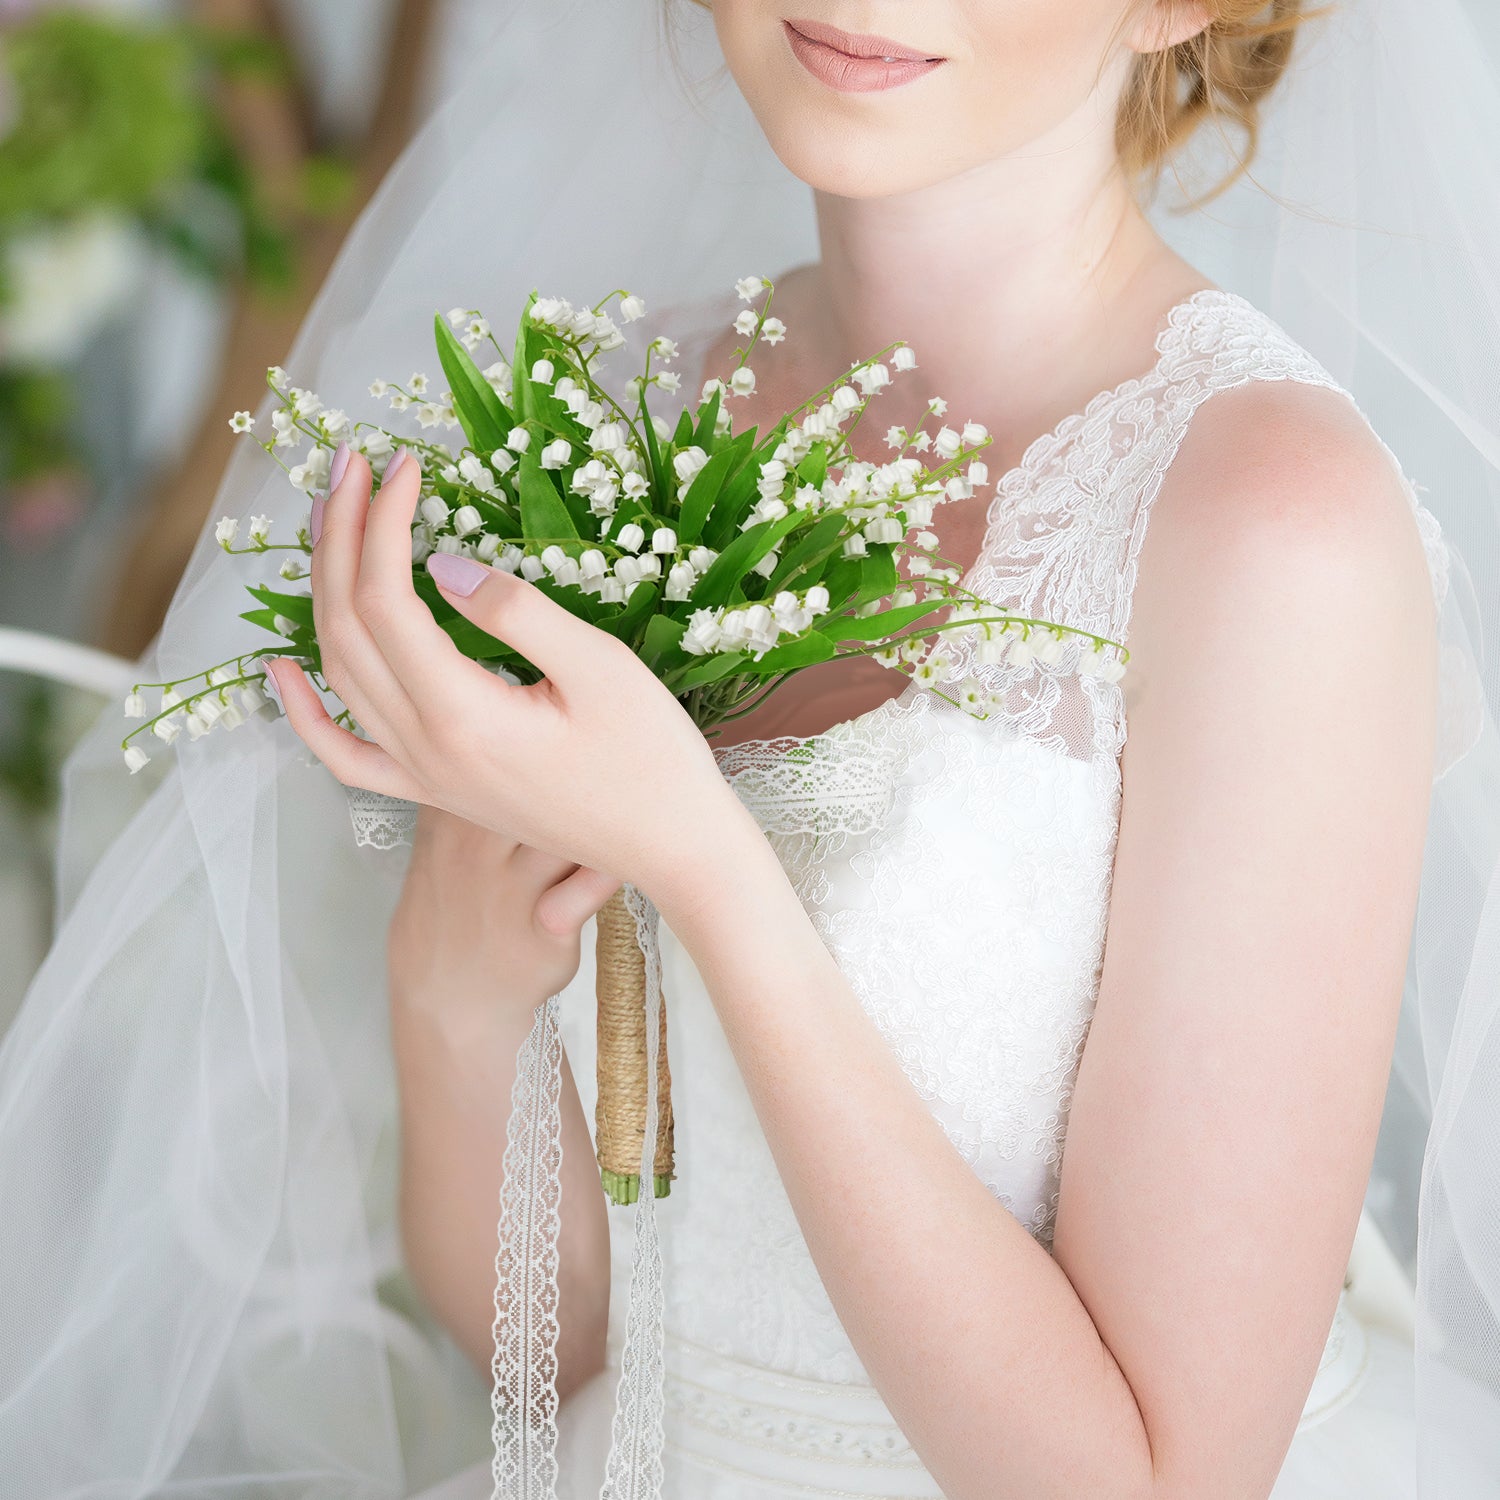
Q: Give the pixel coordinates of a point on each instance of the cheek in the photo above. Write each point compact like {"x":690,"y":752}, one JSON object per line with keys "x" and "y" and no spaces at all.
{"x":1032,"y":64}
{"x":1018,"y":69}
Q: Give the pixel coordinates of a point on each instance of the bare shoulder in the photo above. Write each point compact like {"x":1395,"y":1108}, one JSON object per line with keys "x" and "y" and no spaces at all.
{"x":1276,"y":778}
{"x":1281,"y":493}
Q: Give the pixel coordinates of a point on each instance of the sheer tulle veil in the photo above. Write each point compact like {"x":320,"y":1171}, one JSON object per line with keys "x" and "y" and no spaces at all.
{"x":197,"y":1107}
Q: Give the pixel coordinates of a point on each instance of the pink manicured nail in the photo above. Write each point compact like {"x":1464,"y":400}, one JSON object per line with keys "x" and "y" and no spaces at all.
{"x":273,"y":688}
{"x":339,"y":465}
{"x":459,"y":575}
{"x":315,"y":525}
{"x":397,"y":460}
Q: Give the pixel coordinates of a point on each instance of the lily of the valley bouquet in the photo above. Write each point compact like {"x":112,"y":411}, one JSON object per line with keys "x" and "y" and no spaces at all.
{"x":727,"y":560}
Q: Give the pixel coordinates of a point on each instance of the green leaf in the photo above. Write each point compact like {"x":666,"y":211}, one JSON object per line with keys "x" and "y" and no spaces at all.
{"x":736,"y":495}
{"x":662,"y":638}
{"x":877,"y":574}
{"x":842,"y":582}
{"x":702,"y":493}
{"x":727,"y":571}
{"x":520,"y":390}
{"x":628,"y":509}
{"x":265,"y":618}
{"x":813,"y":469}
{"x":770,"y":442}
{"x":802,"y":561}
{"x":876,"y":627}
{"x":543,"y":513}
{"x":640,"y":603}
{"x":708,"y":669}
{"x":683,"y":437}
{"x":485,"y":417}
{"x":803,"y":652}
{"x":708,"y":416}
{"x":296,"y":607}
{"x":659,"y":487}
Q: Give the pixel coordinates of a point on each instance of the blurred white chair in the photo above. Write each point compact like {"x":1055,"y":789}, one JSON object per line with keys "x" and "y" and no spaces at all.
{"x":24,"y":867}
{"x":64,"y":661}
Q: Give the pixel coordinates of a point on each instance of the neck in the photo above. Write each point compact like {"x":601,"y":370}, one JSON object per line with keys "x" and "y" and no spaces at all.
{"x":1018,"y":284}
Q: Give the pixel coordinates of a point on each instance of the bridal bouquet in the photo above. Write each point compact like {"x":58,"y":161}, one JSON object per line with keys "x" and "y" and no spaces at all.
{"x":727,"y":560}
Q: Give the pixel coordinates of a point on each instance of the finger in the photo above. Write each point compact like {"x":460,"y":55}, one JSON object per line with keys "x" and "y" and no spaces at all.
{"x":418,"y":650}
{"x":562,"y":909}
{"x":352,"y":662}
{"x":353,"y":761}
{"x":515,"y":611}
{"x":539,"y":868}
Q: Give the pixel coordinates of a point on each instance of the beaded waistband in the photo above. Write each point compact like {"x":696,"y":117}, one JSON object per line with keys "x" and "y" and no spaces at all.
{"x":812,"y":1437}
{"x":832,"y":1440}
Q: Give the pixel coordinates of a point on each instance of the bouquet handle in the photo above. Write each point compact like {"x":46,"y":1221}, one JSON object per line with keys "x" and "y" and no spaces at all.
{"x":620,"y":1114}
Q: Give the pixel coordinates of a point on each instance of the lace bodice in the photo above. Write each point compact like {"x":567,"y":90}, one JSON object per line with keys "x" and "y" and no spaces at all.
{"x":959,"y":870}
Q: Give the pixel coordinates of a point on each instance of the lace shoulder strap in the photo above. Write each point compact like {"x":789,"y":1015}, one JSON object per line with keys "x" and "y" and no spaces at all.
{"x":1066,"y":524}
{"x":1222,"y":342}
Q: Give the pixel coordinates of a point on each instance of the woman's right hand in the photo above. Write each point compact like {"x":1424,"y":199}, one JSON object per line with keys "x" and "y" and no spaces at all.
{"x":484,"y":921}
{"x":484,"y":931}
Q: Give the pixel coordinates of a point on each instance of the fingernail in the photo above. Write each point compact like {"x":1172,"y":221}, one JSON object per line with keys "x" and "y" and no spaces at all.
{"x":457,"y":574}
{"x":273,"y":688}
{"x":397,"y":460}
{"x":340,"y":463}
{"x":315,"y":526}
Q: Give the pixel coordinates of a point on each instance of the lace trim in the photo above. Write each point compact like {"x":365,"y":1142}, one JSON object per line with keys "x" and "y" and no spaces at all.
{"x":380,"y":821}
{"x":1064,"y":526}
{"x":792,"y":787}
{"x":787,"y":1486}
{"x":524,"y":1396}
{"x":783,"y":1429}
{"x":1342,"y":1369}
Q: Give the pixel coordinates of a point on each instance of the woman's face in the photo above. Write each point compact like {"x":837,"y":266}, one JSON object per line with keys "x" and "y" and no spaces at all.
{"x":1011,"y":72}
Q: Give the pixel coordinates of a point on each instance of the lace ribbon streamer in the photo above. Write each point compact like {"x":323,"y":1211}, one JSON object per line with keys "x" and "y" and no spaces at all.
{"x":525,"y":1361}
{"x":524,"y":1364}
{"x":837,"y":797}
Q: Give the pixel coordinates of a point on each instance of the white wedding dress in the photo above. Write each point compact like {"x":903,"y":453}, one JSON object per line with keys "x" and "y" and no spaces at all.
{"x":960,"y":872}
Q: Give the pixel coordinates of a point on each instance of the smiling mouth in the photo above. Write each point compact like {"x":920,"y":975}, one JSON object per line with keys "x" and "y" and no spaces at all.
{"x":854,"y":62}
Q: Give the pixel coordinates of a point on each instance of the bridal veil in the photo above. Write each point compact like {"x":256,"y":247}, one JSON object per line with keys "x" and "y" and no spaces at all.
{"x":197,"y":1101}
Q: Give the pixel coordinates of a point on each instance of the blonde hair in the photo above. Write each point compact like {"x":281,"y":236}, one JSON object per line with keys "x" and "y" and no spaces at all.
{"x":1222,"y":74}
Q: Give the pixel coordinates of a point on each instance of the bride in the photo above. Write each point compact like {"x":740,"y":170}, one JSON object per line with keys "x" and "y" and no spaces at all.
{"x":1035,"y":1324}
{"x":1027,"y":1075}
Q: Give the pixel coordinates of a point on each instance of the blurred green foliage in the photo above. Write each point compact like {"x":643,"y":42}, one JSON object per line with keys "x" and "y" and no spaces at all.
{"x":109,"y":112}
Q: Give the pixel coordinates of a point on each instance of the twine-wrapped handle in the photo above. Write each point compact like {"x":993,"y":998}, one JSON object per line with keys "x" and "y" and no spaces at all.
{"x":620,"y":1115}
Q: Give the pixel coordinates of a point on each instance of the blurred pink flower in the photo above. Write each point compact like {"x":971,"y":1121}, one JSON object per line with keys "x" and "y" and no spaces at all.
{"x":39,"y":510}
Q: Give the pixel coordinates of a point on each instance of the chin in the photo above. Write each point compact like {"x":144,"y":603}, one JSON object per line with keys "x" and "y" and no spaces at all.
{"x":855,"y":159}
{"x":853,"y":146}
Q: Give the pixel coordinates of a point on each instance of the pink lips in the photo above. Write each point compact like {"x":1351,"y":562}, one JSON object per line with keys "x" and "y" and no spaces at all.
{"x":854,"y":63}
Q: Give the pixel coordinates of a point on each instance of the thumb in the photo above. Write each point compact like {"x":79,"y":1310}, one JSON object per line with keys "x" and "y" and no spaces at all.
{"x":563,"y":908}
{"x":513,"y":610}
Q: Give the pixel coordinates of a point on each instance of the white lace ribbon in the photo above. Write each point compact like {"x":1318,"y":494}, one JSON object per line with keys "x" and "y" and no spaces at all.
{"x":381,"y":822}
{"x":524,"y":1364}
{"x":524,"y":1397}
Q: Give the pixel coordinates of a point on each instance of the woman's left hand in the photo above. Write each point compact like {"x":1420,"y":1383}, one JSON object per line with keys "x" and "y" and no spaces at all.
{"x":597,"y":763}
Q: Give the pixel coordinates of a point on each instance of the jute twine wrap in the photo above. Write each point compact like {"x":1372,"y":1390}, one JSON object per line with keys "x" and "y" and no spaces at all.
{"x":620,"y":1116}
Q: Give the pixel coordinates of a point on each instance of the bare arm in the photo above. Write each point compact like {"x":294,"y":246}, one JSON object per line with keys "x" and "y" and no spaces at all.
{"x":468,"y":967}
{"x":1278,"y":777}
